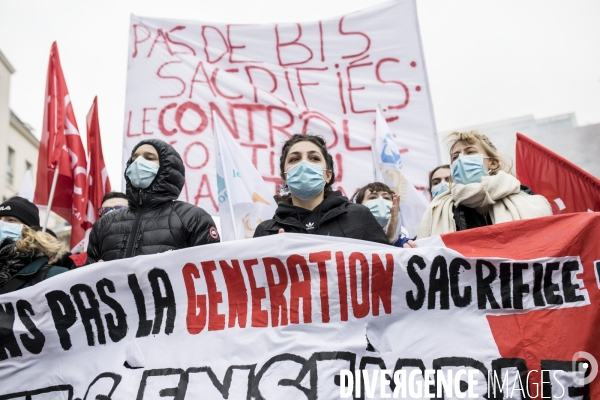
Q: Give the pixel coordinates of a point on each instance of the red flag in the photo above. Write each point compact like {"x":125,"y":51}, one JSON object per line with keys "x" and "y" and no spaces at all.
{"x":98,"y":182}
{"x":61,"y":147}
{"x":567,"y":187}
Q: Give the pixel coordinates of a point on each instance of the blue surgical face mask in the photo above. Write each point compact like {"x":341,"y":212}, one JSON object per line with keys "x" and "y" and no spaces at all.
{"x":468,"y":169}
{"x":305,"y":180}
{"x":380,"y":208}
{"x":9,"y":230}
{"x":439,"y":189}
{"x":142,"y":172}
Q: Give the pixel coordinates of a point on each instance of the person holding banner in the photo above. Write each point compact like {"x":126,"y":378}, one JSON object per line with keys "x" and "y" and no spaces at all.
{"x":155,"y":221}
{"x":27,"y":255}
{"x":384,"y":204}
{"x":483,"y":190}
{"x":306,"y":169}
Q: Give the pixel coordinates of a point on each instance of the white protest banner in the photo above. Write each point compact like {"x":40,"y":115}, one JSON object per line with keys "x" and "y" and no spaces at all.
{"x":244,"y":199}
{"x":267,"y":82}
{"x":282,"y":317}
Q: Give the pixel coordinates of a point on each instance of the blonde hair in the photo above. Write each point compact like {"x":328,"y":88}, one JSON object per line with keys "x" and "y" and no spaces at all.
{"x":36,"y":244}
{"x":472,"y":137}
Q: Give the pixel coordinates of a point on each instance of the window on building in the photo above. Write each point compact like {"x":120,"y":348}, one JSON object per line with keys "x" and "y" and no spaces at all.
{"x":10,"y":166}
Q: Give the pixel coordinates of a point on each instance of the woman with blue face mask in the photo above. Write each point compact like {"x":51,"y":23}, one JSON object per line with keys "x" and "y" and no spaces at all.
{"x":28,"y":260}
{"x":27,"y":255}
{"x":439,"y":180}
{"x":384,"y":204}
{"x":483,"y":190}
{"x":313,"y":207}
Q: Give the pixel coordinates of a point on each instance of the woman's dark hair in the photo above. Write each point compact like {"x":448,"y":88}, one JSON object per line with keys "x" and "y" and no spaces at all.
{"x":317,"y":141}
{"x":359,"y":196}
{"x":433,"y":172}
{"x":279,"y":198}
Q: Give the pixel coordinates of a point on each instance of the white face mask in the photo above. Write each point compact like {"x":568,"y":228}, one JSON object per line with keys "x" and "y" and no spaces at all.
{"x":380,"y":208}
{"x":305,"y":180}
{"x":439,"y":189}
{"x":468,"y":169}
{"x":142,"y":172}
{"x":10,"y":230}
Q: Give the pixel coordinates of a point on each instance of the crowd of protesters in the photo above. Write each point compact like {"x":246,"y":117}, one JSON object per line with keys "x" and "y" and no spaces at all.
{"x":477,"y":189}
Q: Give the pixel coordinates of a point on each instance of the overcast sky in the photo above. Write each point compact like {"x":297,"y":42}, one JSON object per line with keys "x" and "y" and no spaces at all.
{"x":486,"y":60}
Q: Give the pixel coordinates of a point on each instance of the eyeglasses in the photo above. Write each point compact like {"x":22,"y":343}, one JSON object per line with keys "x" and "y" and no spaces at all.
{"x":106,"y":210}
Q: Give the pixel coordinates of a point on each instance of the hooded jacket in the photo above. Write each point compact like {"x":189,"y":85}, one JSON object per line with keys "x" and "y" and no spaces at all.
{"x":155,"y":221}
{"x":335,"y":216}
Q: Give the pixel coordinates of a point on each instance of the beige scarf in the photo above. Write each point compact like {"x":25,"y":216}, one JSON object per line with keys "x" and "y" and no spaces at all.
{"x":499,"y":195}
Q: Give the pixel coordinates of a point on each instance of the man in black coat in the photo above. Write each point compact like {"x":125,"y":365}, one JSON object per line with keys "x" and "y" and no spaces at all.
{"x":155,"y":221}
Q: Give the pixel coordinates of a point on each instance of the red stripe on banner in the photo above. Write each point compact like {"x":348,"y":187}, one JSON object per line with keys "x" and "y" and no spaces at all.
{"x":557,"y":334}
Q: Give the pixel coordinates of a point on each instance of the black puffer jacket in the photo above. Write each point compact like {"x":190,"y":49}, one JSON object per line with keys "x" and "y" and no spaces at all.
{"x":335,"y":216}
{"x":155,"y":221}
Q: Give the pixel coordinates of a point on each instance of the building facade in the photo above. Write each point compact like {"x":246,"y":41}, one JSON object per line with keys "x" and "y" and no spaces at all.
{"x":6,"y":70}
{"x":18,"y":145}
{"x":19,"y":156}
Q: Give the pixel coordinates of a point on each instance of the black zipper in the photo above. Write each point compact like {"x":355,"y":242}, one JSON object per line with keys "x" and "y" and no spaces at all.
{"x":136,"y":225}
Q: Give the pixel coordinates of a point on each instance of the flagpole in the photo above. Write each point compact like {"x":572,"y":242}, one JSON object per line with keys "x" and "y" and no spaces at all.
{"x":54,"y":179}
{"x":373,"y":160}
{"x":377,"y":175}
{"x":226,"y":179}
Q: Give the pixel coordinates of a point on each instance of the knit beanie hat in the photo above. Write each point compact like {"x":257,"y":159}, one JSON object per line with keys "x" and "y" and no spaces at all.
{"x":21,"y":208}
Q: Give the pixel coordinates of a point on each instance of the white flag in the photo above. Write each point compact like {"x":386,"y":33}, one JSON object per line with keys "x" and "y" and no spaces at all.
{"x":244,"y":198}
{"x":27,"y":187}
{"x":387,"y":155}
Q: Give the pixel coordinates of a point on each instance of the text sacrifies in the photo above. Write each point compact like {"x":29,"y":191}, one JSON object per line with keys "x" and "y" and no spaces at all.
{"x":267,"y":83}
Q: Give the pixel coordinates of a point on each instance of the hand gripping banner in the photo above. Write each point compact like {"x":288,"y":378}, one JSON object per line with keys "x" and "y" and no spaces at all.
{"x":290,"y":316}
{"x":267,"y":82}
